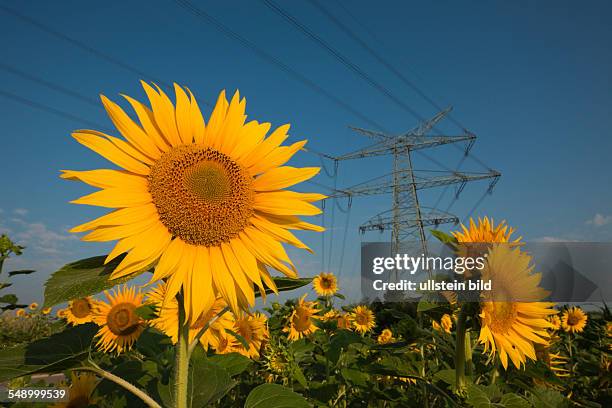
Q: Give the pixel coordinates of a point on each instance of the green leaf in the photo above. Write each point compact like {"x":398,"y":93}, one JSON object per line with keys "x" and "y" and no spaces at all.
{"x":146,"y":312}
{"x":356,"y":377}
{"x":233,"y":363}
{"x":274,"y":396}
{"x":514,"y":401}
{"x":49,"y":355}
{"x":10,"y":299}
{"x":298,"y":375}
{"x":238,"y":337}
{"x":445,"y":238}
{"x":208,"y":381}
{"x":285,"y":284}
{"x":82,"y":278}
{"x":477,"y":397}
{"x":5,"y":285}
{"x":547,"y":398}
{"x":21,"y":272}
{"x":425,"y":305}
{"x":340,"y":341}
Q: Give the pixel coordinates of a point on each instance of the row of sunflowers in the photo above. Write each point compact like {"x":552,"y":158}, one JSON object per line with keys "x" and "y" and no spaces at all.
{"x":203,"y":209}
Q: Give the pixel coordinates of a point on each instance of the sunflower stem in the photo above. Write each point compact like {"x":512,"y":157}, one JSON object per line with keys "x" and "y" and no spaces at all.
{"x":468,"y":353}
{"x":181,"y":368}
{"x":460,"y":348}
{"x":198,"y":336}
{"x":150,"y":402}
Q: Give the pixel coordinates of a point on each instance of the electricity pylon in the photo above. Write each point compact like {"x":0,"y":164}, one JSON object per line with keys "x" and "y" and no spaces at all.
{"x":406,"y":218}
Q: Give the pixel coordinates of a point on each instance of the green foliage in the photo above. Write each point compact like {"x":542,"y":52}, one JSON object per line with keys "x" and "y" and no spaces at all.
{"x":274,"y":396}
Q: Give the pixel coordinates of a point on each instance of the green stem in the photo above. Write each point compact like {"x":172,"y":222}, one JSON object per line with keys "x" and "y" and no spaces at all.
{"x":181,"y":368}
{"x":460,"y":350}
{"x":468,"y":353}
{"x":198,"y":336}
{"x":150,"y":402}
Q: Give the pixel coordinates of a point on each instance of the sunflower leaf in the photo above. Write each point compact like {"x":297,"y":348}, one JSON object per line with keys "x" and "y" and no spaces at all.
{"x":21,"y":272}
{"x":82,"y":278}
{"x":285,"y":284}
{"x":48,"y":355}
{"x":274,"y":396}
{"x":208,"y":381}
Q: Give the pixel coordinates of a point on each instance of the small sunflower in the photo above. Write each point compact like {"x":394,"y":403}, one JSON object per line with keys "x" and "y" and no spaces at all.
{"x":46,"y":310}
{"x":345,"y":321}
{"x":363,"y":319}
{"x":120,"y":326}
{"x":385,"y":337}
{"x":80,"y":394}
{"x":81,"y":310}
{"x":33,"y":306}
{"x":446,"y":324}
{"x":555,"y":321}
{"x":254,"y":330}
{"x":325,"y":284}
{"x":206,"y":203}
{"x":511,"y":328}
{"x":20,"y":312}
{"x":301,"y":322}
{"x":167,"y":320}
{"x":573,"y":320}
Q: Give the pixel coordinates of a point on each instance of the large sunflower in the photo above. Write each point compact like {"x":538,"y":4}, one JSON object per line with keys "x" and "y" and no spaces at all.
{"x":80,"y":311}
{"x":119,"y":323}
{"x":511,"y":328}
{"x":205,"y":203}
{"x":363,"y":319}
{"x":167,"y":319}
{"x":573,"y":320}
{"x":301,"y":321}
{"x":325,"y":284}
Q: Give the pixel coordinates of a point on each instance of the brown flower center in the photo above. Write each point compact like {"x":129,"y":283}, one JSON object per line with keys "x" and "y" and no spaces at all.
{"x":80,"y":308}
{"x":362,"y":319}
{"x":201,"y":195}
{"x":122,"y":319}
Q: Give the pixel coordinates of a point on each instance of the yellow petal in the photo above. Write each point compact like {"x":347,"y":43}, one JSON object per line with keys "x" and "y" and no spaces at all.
{"x":234,"y":121}
{"x":143,"y":255}
{"x":215,"y":122}
{"x":130,"y":130}
{"x":264,"y":250}
{"x":222,"y":278}
{"x":119,"y":217}
{"x":197,"y":120}
{"x":283,"y":177}
{"x":281,"y":204}
{"x":241,"y":280}
{"x":278,"y":136}
{"x":183,"y":115}
{"x":147,"y":121}
{"x":291,"y":222}
{"x":276,"y":158}
{"x":169,"y":261}
{"x":111,"y":152}
{"x":203,"y":297}
{"x":278,"y":232}
{"x":102,"y":234}
{"x":106,"y":178}
{"x":115,"y":198}
{"x":163,"y":112}
{"x":250,"y":136}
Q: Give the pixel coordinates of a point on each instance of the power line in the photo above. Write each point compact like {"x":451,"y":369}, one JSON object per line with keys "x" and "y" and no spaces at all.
{"x":379,"y":58}
{"x":50,"y":85}
{"x":49,"y":109}
{"x":341,"y":58}
{"x":269,"y":58}
{"x":83,"y":46}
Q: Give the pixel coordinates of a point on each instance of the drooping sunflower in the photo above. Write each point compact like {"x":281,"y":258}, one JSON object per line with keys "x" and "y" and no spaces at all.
{"x":325,"y":284}
{"x":555,"y":361}
{"x":205,"y":203}
{"x":168,"y":314}
{"x":254,"y":330}
{"x":301,"y":321}
{"x":80,"y":311}
{"x":33,"y":306}
{"x":80,"y":394}
{"x":573,"y":320}
{"x":120,"y":325}
{"x":385,"y":337}
{"x":513,"y":317}
{"x":363,"y":319}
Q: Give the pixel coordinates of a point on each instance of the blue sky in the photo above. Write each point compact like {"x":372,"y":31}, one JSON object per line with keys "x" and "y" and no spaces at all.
{"x":530,"y":79}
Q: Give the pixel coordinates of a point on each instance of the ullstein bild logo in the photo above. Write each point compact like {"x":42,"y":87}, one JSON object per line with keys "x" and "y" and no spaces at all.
{"x":566,"y":271}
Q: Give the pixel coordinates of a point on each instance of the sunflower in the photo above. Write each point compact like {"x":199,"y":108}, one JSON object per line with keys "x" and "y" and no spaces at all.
{"x":555,"y":361}
{"x":20,"y":312}
{"x":446,"y":324}
{"x":206,"y":204}
{"x":301,"y":322}
{"x":363,"y":319}
{"x":385,"y":337}
{"x":167,"y":320}
{"x":46,"y":310}
{"x":345,"y":321}
{"x":325,"y":284}
{"x":226,"y":343}
{"x":80,"y":392}
{"x":511,"y":328}
{"x":485,"y":231}
{"x":253,"y":328}
{"x":573,"y":320}
{"x":33,"y":306}
{"x":555,"y":321}
{"x":61,"y":313}
{"x":120,"y":326}
{"x":81,"y":310}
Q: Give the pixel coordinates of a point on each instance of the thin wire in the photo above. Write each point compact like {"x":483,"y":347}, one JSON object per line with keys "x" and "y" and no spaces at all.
{"x":342,"y":59}
{"x":58,"y":88}
{"x":83,"y":46}
{"x":269,"y":58}
{"x":379,"y":58}
{"x":49,"y":109}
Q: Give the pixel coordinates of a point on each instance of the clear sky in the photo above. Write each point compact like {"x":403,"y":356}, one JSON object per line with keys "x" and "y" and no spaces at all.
{"x":531,"y":79}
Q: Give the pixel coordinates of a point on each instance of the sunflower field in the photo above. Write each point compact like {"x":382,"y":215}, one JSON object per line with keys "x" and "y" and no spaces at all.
{"x":201,"y":209}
